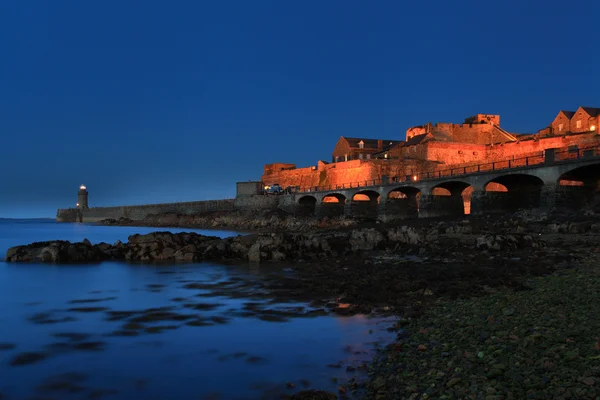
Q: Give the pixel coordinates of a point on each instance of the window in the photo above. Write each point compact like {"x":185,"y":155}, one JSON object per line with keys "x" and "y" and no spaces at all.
{"x":578,"y":123}
{"x":368,"y":156}
{"x":361,"y":145}
{"x":560,"y":127}
{"x":360,"y":156}
{"x":345,"y":157}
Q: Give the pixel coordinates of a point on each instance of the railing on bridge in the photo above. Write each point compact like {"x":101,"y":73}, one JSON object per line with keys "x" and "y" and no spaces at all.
{"x":528,"y":161}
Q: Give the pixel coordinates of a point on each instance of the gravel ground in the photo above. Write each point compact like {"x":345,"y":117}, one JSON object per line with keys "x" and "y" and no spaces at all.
{"x":536,"y":343}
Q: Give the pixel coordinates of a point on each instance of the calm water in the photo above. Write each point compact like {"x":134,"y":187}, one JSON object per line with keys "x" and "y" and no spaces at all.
{"x":236,"y":356}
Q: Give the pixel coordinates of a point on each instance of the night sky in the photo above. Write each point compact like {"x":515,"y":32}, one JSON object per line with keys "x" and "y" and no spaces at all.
{"x":159,"y":101}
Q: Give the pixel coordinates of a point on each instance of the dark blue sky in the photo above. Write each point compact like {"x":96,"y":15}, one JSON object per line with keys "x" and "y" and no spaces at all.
{"x":156,"y":101}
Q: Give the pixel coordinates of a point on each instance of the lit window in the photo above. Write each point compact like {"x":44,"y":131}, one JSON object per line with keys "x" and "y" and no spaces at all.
{"x":560,"y":127}
{"x":361,"y":145}
{"x":578,"y":124}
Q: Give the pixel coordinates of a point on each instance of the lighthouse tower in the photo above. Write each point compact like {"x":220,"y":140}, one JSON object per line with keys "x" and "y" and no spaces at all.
{"x":82,"y":198}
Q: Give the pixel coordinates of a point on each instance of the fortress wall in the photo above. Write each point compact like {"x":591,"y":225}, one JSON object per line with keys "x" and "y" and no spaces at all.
{"x":476,"y":133}
{"x":326,"y":174}
{"x":96,"y":214}
{"x":415,"y":130}
{"x":407,"y":168}
{"x":257,"y":202}
{"x":454,"y":153}
{"x":275,"y":167}
{"x":66,"y":215}
{"x":524,"y":148}
{"x":100,"y":213}
{"x":349,"y":172}
{"x":293,"y":177}
{"x":353,"y":172}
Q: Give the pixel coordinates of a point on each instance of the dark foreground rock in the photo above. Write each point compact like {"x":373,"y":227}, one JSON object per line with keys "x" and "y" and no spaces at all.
{"x":192,"y":247}
{"x":542,"y":343}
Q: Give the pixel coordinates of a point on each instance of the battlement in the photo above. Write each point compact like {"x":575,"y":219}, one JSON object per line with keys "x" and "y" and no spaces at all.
{"x":478,"y":129}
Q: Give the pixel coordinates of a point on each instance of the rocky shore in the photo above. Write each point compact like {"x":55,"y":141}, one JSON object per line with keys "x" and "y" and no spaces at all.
{"x":492,"y":308}
{"x":240,"y":220}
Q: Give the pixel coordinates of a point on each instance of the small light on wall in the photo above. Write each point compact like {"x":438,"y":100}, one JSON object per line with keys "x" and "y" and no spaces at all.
{"x":414,"y":177}
{"x":77,"y":204}
{"x":593,"y":128}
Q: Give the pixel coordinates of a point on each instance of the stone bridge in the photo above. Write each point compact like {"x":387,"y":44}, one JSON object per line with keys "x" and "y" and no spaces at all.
{"x":553,"y":179}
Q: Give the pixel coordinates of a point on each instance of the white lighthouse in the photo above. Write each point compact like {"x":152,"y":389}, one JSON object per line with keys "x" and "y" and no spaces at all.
{"x":82,"y":197}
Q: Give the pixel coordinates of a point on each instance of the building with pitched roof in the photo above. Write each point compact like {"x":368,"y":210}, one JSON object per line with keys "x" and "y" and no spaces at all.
{"x":348,"y":149}
{"x":585,"y":119}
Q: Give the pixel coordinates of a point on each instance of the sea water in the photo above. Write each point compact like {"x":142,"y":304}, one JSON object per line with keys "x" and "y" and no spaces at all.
{"x":56,"y":340}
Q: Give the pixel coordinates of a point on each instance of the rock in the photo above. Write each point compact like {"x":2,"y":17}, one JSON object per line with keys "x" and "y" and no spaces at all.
{"x":405,"y":234}
{"x":254,"y":252}
{"x":366,"y":239}
{"x":452,"y":382}
{"x":506,"y":242}
{"x":589,"y":381}
{"x":508,"y":311}
{"x":58,"y":251}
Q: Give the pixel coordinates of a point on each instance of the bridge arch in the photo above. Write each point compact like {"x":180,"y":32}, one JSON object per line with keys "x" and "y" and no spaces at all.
{"x":450,"y":198}
{"x":579,"y":187}
{"x":334,"y":198}
{"x":364,"y":204}
{"x":402,"y":202}
{"x":332,"y":205}
{"x":512,"y":192}
{"x":449,"y":188}
{"x":306,"y":205}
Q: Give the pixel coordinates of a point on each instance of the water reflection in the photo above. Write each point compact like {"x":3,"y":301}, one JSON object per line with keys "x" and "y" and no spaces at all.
{"x":121,"y":331}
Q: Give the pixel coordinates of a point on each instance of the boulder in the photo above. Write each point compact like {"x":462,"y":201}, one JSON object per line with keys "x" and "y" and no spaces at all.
{"x":58,"y":251}
{"x":366,"y":239}
{"x":405,"y":234}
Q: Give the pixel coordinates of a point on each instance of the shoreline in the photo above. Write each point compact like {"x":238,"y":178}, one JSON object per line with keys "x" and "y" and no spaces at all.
{"x":425,"y":271}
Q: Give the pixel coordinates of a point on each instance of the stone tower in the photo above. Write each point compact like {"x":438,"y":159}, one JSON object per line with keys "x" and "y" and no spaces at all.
{"x":82,"y":198}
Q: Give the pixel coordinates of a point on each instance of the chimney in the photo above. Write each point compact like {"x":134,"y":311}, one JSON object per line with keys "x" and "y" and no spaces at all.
{"x":379,"y":144}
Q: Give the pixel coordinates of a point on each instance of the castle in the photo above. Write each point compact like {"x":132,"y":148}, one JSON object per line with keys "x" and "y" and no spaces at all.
{"x":477,"y":145}
{"x":432,"y":147}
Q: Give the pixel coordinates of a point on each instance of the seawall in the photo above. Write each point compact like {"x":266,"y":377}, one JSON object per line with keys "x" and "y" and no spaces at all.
{"x":139,"y":212}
